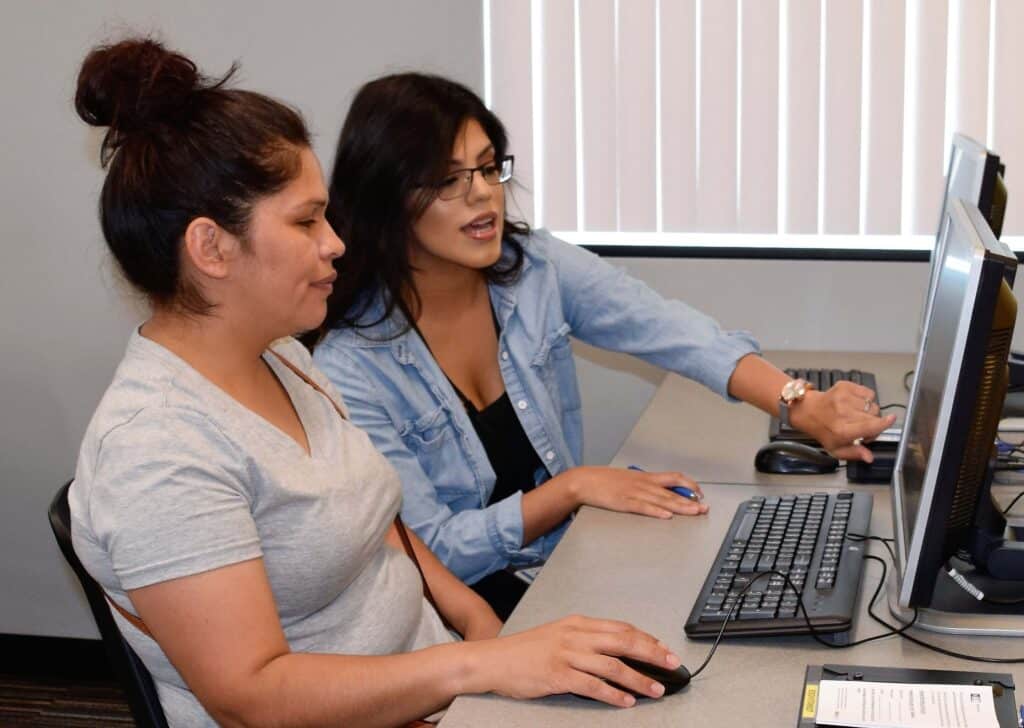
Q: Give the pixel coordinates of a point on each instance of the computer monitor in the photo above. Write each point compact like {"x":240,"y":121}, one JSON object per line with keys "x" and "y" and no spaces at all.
{"x":942,"y":502}
{"x":974,"y":174}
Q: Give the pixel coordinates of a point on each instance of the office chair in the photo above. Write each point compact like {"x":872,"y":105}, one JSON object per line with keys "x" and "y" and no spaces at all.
{"x":133,"y":675}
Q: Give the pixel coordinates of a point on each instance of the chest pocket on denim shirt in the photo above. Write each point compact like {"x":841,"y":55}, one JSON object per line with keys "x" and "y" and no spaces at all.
{"x":554,"y":363}
{"x":432,"y":438}
{"x":429,"y":432}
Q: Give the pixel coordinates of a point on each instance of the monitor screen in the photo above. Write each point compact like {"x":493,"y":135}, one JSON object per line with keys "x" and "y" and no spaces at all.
{"x":970,"y":277}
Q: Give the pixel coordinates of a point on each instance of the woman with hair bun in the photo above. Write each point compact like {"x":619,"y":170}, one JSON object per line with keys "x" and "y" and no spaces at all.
{"x":449,"y":337}
{"x":242,"y":528}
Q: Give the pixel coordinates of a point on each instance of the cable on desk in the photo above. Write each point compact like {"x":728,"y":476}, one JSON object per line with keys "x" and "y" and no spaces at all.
{"x":815,"y":633}
{"x":906,"y":379}
{"x":897,"y":629}
{"x":1013,"y":503}
{"x":881,"y":539}
{"x":884,"y":407}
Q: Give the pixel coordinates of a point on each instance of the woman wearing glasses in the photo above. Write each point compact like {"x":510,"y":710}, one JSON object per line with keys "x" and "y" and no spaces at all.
{"x":449,"y":337}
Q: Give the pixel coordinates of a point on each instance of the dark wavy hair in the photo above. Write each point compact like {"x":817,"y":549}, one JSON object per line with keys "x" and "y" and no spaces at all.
{"x":399,"y":132}
{"x":179,"y":146}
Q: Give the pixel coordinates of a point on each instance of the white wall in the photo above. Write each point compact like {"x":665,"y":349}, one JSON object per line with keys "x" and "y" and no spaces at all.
{"x":64,"y":317}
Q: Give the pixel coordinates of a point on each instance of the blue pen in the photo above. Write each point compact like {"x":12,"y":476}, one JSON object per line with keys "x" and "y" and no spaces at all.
{"x":680,"y":489}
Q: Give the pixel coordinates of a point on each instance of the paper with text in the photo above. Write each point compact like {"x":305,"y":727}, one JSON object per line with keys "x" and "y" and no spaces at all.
{"x":860,"y":704}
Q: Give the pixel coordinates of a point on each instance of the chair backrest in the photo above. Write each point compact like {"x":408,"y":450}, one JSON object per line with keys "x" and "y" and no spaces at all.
{"x":134,"y":677}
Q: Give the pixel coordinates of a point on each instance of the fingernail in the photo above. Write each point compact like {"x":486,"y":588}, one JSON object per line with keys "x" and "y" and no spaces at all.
{"x":629,"y":701}
{"x":672,"y":660}
{"x":657,"y":690}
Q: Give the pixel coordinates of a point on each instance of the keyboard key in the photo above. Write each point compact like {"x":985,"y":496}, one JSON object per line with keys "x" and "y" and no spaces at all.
{"x":715,"y":616}
{"x":757,"y":614}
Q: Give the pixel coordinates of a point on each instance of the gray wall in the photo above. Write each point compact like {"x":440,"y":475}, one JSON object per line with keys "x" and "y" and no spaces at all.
{"x":64,"y":316}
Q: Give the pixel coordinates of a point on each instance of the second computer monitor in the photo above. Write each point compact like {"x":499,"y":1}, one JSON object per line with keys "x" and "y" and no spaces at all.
{"x":974,"y":174}
{"x":940,"y":484}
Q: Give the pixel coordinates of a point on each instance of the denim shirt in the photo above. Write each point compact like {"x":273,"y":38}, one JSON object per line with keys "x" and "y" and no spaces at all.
{"x":397,"y":393}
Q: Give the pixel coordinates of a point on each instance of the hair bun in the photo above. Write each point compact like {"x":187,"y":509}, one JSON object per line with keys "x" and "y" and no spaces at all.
{"x":129,"y":85}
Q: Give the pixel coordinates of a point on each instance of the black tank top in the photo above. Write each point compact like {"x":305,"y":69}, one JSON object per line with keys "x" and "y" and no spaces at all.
{"x":512,"y":457}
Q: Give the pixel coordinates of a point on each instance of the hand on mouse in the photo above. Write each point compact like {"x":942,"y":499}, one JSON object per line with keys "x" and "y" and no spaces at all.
{"x":573,"y":655}
{"x":842,"y":419}
{"x":633,"y":491}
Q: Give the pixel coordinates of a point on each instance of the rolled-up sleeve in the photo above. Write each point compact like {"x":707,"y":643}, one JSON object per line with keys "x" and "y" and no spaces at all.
{"x":471,"y":543}
{"x":608,"y":308}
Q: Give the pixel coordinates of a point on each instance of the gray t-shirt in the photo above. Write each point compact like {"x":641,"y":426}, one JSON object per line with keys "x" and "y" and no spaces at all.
{"x":176,"y":478}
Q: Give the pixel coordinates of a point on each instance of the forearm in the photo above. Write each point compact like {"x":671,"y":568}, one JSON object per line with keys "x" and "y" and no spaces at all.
{"x":546,"y":506}
{"x":299,"y":689}
{"x":758,"y":382}
{"x":464,"y":610}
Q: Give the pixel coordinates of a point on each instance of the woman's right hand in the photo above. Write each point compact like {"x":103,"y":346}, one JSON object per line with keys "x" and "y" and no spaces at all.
{"x":573,"y":655}
{"x":633,"y":491}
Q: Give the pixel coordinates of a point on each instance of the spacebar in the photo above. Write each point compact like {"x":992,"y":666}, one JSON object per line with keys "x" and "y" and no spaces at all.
{"x":757,"y":614}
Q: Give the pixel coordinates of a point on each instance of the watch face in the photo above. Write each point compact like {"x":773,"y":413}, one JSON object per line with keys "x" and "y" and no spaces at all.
{"x":794,"y":389}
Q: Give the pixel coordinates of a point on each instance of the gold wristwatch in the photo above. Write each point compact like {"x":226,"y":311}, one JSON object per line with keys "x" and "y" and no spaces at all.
{"x":793,"y":391}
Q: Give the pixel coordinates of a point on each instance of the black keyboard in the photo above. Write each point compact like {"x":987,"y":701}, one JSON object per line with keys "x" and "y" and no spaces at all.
{"x":822,"y":379}
{"x":803,"y":536}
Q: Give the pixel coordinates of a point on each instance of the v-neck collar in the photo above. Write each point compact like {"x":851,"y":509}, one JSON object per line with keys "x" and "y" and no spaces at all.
{"x":293,"y":386}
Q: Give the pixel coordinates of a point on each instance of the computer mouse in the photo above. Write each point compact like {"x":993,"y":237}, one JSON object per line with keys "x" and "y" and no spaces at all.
{"x":784,"y":456}
{"x":673,"y":680}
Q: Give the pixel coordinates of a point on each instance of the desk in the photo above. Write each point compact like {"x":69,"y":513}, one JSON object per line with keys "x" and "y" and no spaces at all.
{"x":649,"y":572}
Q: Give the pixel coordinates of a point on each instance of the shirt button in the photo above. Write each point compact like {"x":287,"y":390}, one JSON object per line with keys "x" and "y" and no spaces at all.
{"x":521,"y":404}
{"x":504,"y":355}
{"x":549,"y":455}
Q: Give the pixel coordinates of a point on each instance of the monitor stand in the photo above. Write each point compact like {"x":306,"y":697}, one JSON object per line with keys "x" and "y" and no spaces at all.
{"x":954,"y":611}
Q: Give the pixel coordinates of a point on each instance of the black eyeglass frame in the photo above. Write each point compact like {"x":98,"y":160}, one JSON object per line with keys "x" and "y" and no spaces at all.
{"x":505,"y":164}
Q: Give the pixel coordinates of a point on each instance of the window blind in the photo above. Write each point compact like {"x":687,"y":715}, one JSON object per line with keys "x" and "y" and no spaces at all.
{"x":779,"y":123}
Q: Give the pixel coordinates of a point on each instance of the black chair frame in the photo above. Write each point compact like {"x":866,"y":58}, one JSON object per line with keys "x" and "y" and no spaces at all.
{"x":132,"y":674}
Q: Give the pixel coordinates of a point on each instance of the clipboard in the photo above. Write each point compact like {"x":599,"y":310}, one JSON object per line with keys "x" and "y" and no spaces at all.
{"x":1001,"y":682}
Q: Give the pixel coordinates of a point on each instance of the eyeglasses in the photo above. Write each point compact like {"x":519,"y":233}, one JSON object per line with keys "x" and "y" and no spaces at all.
{"x":460,"y":182}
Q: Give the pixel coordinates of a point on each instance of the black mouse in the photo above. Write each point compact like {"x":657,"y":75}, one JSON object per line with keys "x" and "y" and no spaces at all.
{"x":784,"y":456}
{"x":673,"y":680}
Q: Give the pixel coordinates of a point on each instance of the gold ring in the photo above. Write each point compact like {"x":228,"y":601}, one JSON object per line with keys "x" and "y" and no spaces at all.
{"x":858,"y":441}
{"x":867,"y":405}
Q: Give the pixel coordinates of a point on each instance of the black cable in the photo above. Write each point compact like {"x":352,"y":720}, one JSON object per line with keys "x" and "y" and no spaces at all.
{"x":815,"y":633}
{"x":898,"y":629}
{"x":1013,"y":502}
{"x":884,"y":541}
{"x":943,"y":650}
{"x":906,"y":379}
{"x":884,"y":407}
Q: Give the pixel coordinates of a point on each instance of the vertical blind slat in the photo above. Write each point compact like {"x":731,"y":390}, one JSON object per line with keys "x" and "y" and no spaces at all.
{"x":678,"y":113}
{"x":759,"y":116}
{"x":799,"y":153}
{"x":884,"y":135}
{"x":559,"y":116}
{"x":636,"y":116}
{"x":967,"y":85}
{"x":842,"y":112}
{"x":512,"y":96}
{"x":716,"y":166}
{"x":597,"y":95}
{"x":923,"y":139}
{"x":1008,"y":105}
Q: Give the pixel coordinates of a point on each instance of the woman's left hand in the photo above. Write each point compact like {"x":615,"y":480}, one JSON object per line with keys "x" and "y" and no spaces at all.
{"x":842,"y":419}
